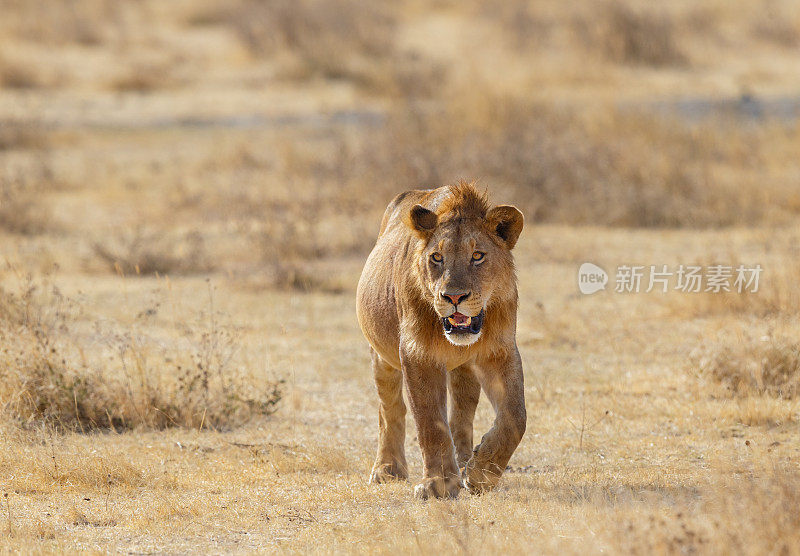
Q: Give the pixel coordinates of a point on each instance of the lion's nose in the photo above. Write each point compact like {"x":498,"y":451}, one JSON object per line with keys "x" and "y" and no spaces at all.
{"x":455,"y":298}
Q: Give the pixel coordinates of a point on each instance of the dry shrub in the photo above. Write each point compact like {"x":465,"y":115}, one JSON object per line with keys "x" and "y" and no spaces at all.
{"x":768,"y":365}
{"x":55,"y":376}
{"x":339,"y":39}
{"x":566,"y":166}
{"x":631,"y":36}
{"x":150,"y":252}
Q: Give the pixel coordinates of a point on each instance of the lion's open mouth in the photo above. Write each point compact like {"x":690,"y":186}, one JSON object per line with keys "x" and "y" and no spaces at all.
{"x":458,"y":323}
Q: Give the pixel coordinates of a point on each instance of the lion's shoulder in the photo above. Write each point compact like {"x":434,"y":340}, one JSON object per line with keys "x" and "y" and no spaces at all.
{"x":401,"y":204}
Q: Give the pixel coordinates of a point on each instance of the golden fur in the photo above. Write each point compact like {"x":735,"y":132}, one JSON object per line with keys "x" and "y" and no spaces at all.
{"x":432,"y":244}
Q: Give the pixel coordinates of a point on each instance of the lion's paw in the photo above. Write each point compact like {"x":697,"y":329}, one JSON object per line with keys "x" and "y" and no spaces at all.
{"x":437,"y":487}
{"x":478,"y":479}
{"x":386,"y":473}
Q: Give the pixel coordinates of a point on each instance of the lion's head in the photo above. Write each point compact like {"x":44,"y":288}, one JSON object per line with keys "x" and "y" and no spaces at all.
{"x":463,"y":258}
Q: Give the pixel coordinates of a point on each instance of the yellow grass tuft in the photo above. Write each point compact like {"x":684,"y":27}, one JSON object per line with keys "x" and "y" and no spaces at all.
{"x":767,"y":365}
{"x":762,"y":410}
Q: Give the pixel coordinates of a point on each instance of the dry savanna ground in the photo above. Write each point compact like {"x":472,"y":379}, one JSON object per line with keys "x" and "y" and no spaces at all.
{"x":188,"y":191}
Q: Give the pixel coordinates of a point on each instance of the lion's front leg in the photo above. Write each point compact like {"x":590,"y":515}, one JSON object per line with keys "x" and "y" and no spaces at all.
{"x":502,"y":380}
{"x":426,"y":384}
{"x":465,"y":392}
{"x":390,"y":462}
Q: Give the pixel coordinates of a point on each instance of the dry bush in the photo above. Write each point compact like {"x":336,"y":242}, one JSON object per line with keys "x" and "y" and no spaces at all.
{"x":340,"y":39}
{"x":55,"y":376}
{"x":149,"y":252}
{"x":768,"y":365}
{"x":574,"y":167}
{"x":630,"y":36}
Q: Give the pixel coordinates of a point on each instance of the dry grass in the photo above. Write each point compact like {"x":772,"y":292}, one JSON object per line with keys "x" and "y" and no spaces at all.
{"x":149,"y":252}
{"x":767,"y":365}
{"x":627,"y":451}
{"x":22,"y":137}
{"x":761,"y":411}
{"x":52,"y":376}
{"x":344,"y":39}
{"x":21,"y":208}
{"x":144,"y":78}
{"x":586,"y":168}
{"x":256,"y":144}
{"x":58,"y":23}
{"x":633,"y":36}
{"x":762,"y":508}
{"x":777,"y":296}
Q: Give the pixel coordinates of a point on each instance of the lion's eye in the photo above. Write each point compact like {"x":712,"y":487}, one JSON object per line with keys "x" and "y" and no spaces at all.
{"x":477,"y":256}
{"x":437,"y":258}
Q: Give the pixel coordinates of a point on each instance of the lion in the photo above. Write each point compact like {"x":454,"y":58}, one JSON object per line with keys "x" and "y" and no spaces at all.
{"x":437,"y":302}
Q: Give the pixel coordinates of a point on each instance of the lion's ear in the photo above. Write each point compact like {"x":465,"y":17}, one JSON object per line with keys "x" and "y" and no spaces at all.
{"x":422,"y":220}
{"x":506,"y":221}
